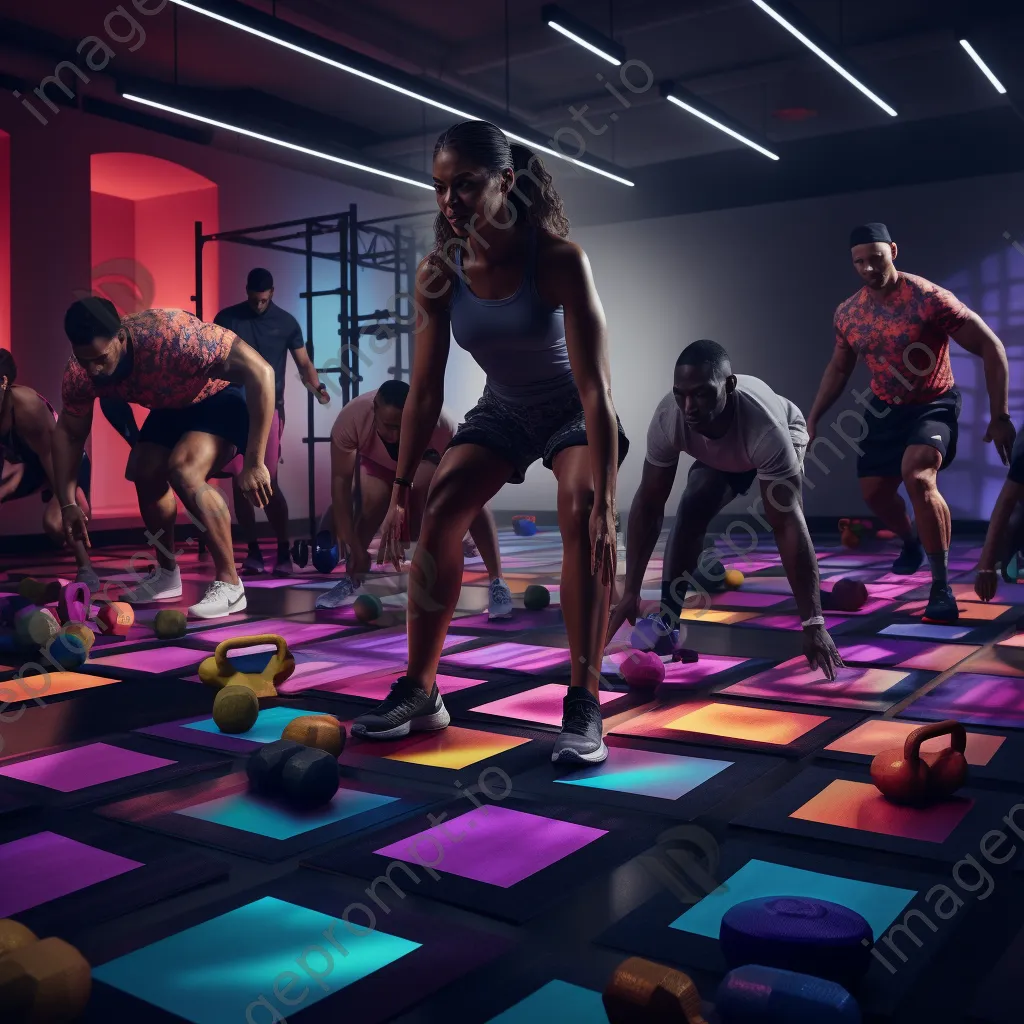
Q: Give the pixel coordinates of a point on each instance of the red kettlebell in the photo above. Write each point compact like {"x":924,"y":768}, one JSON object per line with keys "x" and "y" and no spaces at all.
{"x":74,"y":603}
{"x":906,"y":776}
{"x":847,"y":537}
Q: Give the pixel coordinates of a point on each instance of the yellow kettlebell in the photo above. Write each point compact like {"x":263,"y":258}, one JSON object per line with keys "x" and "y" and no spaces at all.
{"x":218,"y":671}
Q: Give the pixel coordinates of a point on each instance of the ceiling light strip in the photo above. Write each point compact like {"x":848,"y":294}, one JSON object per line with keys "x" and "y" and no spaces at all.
{"x":830,"y":61}
{"x":376,"y":80}
{"x":275,"y":142}
{"x":721,"y":127}
{"x":999,"y":87}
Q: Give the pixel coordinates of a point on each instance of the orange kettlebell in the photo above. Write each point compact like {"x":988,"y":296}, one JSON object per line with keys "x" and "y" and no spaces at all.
{"x":906,"y":776}
{"x":847,"y":537}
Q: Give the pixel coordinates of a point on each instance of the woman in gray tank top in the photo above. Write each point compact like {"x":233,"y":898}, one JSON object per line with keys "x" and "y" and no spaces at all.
{"x":504,"y":281}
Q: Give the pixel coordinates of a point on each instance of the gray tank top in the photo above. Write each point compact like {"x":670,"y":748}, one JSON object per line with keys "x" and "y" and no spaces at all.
{"x":519,"y":342}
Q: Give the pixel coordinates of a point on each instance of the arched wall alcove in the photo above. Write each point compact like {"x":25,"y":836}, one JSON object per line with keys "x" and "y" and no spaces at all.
{"x":144,"y":211}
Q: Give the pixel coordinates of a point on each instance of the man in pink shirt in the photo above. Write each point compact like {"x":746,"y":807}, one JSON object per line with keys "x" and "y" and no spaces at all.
{"x":367,"y":430}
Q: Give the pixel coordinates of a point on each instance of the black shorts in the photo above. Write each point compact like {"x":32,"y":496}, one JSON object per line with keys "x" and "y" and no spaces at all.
{"x":223,"y":415}
{"x":739,"y":482}
{"x":523,"y":433}
{"x":892,"y":429}
{"x":33,"y":481}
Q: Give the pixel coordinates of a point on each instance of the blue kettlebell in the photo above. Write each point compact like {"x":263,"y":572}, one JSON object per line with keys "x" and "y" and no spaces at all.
{"x":325,"y":554}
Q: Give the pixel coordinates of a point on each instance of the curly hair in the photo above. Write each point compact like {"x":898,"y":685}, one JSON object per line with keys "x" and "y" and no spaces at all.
{"x":533,"y":195}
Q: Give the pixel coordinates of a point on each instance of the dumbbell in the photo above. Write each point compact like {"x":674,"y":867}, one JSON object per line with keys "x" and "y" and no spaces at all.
{"x":74,"y":603}
{"x":41,"y":981}
{"x":325,"y":554}
{"x":906,"y":776}
{"x":643,"y":992}
{"x":767,"y":995}
{"x":300,"y":553}
{"x":303,"y":777}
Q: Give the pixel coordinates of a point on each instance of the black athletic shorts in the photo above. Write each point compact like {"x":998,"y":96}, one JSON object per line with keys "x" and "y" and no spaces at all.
{"x":894,"y":428}
{"x":739,"y":482}
{"x":33,"y":481}
{"x":523,"y":433}
{"x":224,"y":415}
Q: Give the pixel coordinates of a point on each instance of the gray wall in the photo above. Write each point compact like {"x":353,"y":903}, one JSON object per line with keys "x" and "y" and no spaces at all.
{"x":764,"y":282}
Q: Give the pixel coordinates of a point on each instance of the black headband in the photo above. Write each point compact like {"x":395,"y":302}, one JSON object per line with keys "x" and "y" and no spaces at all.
{"x":867,"y":234}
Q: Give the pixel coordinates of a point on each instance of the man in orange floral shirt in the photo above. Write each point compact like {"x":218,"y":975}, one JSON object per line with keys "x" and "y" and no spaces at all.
{"x":901,"y":325}
{"x":190,"y":375}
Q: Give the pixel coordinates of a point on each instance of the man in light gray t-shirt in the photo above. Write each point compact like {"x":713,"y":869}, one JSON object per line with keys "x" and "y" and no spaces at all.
{"x":737,"y":429}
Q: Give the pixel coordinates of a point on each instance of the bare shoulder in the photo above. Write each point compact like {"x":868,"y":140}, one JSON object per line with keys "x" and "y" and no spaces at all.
{"x":435,"y":282}
{"x":29,"y":408}
{"x":557,"y":253}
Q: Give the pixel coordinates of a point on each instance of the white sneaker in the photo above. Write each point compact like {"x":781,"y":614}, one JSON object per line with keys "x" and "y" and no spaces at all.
{"x":344,"y":589}
{"x":159,"y":585}
{"x":499,"y":605}
{"x":219,"y":600}
{"x":90,"y":579}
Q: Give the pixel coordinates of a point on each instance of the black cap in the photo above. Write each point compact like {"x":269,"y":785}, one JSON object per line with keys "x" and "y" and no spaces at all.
{"x":867,"y":234}
{"x":260,"y":280}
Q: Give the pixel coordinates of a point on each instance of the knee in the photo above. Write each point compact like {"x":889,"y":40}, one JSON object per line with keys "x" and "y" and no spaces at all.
{"x":574,"y":507}
{"x":184,"y":474}
{"x":919,"y":479}
{"x":442,"y":511}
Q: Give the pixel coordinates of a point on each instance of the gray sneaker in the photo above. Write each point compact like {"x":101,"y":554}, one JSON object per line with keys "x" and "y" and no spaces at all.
{"x":499,"y":605}
{"x":408,"y":707}
{"x":581,"y":740}
{"x":341,"y":592}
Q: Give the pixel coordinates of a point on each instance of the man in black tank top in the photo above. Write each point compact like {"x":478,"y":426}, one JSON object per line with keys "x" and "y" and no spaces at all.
{"x":26,"y":467}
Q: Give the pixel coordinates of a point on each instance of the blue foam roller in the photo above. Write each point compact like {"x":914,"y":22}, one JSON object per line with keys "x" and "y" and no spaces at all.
{"x":796,"y":933}
{"x":524,"y":527}
{"x":767,"y":995}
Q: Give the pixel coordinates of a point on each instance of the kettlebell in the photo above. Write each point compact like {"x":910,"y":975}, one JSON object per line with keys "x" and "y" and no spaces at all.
{"x":300,"y":553}
{"x":906,"y":776}
{"x":325,"y":554}
{"x":218,"y":671}
{"x":74,"y":603}
{"x":847,"y":536}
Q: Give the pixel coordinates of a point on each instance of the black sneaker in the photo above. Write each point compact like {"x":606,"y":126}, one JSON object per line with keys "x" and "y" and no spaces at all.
{"x":942,"y":608}
{"x":909,"y":559}
{"x":581,"y":740}
{"x":407,"y":707}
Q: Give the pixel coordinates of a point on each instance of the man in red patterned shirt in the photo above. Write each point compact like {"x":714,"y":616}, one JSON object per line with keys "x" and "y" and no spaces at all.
{"x":901,"y":325}
{"x":190,"y":375}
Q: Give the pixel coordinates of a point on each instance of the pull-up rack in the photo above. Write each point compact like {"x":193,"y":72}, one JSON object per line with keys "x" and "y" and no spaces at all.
{"x":387,"y":244}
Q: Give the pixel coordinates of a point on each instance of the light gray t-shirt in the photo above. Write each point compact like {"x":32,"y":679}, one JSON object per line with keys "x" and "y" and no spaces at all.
{"x":768,"y":433}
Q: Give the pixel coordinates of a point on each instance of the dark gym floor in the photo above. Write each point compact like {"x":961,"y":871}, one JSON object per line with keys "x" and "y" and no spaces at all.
{"x":126,"y":827}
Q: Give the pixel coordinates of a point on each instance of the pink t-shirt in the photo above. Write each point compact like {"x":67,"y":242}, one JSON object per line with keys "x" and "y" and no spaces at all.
{"x":174,"y":354}
{"x":354,"y":431}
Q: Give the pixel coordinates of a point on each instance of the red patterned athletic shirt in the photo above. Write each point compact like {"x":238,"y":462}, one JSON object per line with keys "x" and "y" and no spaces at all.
{"x":903,"y":337}
{"x":173,"y":353}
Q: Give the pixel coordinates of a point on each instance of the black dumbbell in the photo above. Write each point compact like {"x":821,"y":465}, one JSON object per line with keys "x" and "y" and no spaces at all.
{"x":304,"y":777}
{"x":300,"y":553}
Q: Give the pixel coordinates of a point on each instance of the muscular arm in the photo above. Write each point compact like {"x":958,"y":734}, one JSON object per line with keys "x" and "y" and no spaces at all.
{"x":307,"y":373}
{"x":245,"y":366}
{"x":980,"y":340}
{"x":785,"y":515}
{"x":646,"y":515}
{"x":833,"y":382}
{"x":426,"y":386}
{"x":66,"y":446}
{"x":586,"y":339}
{"x":343,"y":466}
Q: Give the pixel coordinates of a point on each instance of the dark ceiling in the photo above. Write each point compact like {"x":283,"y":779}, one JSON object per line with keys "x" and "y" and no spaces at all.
{"x":729,"y":53}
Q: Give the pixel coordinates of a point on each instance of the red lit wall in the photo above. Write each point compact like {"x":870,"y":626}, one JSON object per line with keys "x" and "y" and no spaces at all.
{"x":144,"y":211}
{"x":5,"y":240}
